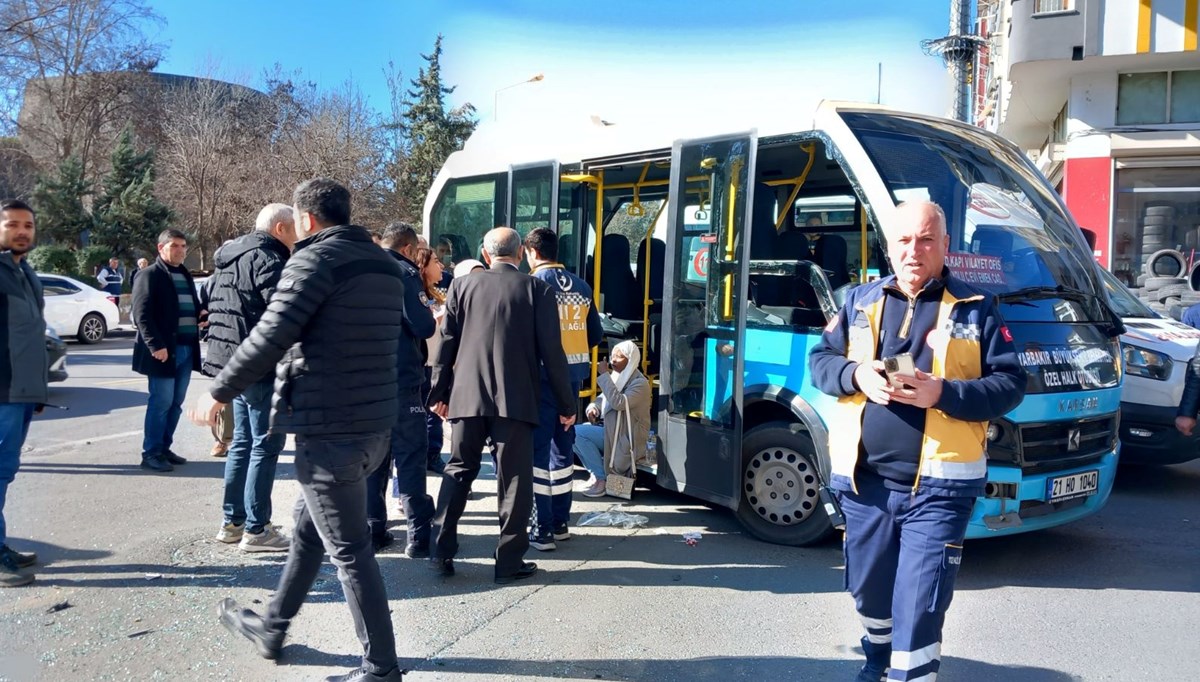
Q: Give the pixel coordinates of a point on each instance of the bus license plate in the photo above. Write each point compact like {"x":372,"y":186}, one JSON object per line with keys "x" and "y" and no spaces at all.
{"x":1070,"y":487}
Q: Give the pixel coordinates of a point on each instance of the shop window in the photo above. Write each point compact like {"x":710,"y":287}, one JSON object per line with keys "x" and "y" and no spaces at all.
{"x":1156,"y":209}
{"x":1158,"y":97}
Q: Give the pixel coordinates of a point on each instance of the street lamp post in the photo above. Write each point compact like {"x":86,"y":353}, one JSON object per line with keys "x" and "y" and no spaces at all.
{"x":496,"y":94}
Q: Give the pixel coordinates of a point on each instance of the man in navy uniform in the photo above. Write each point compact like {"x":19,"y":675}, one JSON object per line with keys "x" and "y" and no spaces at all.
{"x":908,"y":456}
{"x":553,"y":446}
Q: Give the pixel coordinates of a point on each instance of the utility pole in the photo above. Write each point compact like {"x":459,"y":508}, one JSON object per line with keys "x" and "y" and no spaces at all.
{"x":958,"y":50}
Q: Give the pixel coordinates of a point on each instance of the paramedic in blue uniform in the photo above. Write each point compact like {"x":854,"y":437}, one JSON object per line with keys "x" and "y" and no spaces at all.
{"x":908,"y":462}
{"x":553,"y":445}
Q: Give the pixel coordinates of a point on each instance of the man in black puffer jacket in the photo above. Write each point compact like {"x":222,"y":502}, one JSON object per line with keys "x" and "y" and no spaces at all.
{"x":332,"y":327}
{"x":247,"y":273}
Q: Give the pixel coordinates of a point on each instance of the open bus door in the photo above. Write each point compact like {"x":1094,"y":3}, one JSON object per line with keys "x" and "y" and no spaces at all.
{"x":704,"y":320}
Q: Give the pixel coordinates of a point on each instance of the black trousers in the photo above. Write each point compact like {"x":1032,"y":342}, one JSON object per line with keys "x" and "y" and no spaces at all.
{"x":513,"y":441}
{"x":331,"y":517}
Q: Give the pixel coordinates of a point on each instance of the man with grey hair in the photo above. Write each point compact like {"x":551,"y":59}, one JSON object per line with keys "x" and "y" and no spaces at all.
{"x":499,"y":334}
{"x":247,"y":273}
{"x":920,"y":361}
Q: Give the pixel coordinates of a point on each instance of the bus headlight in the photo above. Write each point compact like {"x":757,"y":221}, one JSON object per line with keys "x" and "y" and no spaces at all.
{"x":993,"y":432}
{"x":1143,"y":362}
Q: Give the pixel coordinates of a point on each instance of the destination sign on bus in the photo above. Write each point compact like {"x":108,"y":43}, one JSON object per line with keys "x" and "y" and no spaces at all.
{"x":975,"y":268}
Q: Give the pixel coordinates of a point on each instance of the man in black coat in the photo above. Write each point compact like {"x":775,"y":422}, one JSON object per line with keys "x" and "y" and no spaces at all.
{"x":330,"y":331}
{"x":247,"y":273}
{"x":500,"y":329}
{"x":167,"y":349}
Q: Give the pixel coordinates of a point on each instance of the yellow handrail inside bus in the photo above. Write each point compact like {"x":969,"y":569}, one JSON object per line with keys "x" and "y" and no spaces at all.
{"x":635,"y":208}
{"x":734,"y":171}
{"x":599,"y":220}
{"x":598,"y":181}
{"x":796,"y":182}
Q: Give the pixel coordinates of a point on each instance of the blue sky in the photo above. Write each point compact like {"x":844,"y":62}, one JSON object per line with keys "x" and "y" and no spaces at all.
{"x":620,"y":60}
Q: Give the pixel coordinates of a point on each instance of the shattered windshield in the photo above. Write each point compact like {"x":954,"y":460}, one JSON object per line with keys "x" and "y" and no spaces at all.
{"x":1009,"y":233}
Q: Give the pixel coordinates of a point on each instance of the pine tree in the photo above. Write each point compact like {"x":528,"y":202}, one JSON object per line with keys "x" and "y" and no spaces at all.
{"x":432,"y":132}
{"x":128,"y":216}
{"x":58,"y":199}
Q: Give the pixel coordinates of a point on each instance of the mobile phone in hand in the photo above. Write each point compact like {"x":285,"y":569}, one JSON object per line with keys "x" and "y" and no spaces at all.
{"x":897,"y":365}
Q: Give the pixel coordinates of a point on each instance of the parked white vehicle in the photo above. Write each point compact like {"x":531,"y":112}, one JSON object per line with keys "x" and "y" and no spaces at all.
{"x":1156,"y":351}
{"x":77,"y":309}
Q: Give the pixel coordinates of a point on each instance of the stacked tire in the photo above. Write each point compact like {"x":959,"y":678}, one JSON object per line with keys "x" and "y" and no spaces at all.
{"x":1170,"y":279}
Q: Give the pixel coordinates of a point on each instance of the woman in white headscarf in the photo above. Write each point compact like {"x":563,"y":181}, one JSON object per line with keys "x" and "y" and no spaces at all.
{"x":624,"y":406}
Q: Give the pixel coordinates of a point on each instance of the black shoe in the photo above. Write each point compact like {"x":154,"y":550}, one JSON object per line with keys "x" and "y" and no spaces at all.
{"x":11,"y":575}
{"x":174,"y":458}
{"x":157,"y":463}
{"x":542,"y":540}
{"x":250,"y":625}
{"x":528,"y":569}
{"x":383,"y":541}
{"x":21,"y":560}
{"x":443,"y":567}
{"x":562,"y":533}
{"x":362,"y":675}
{"x":417,"y":550}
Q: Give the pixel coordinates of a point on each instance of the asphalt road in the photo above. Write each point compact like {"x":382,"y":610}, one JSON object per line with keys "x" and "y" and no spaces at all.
{"x":1113,"y":597}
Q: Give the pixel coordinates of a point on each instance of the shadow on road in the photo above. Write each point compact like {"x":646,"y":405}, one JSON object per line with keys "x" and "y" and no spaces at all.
{"x":195,"y":468}
{"x":1141,"y":540}
{"x":89,"y":401}
{"x":720,"y":669}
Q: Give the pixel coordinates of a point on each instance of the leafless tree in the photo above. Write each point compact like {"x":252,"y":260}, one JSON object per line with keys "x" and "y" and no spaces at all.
{"x":73,"y":67}
{"x":214,"y":161}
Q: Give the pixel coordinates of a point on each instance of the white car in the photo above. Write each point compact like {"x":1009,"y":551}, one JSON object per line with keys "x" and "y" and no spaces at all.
{"x":1156,"y":351}
{"x":77,"y":309}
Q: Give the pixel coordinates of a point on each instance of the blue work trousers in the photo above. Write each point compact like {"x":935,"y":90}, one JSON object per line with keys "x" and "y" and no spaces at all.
{"x":252,"y":458}
{"x":14,"y":426}
{"x":553,"y":464}
{"x":902,"y":555}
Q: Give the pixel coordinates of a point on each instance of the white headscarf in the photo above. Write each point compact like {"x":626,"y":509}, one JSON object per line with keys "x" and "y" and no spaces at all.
{"x":466,"y":267}
{"x":630,"y":350}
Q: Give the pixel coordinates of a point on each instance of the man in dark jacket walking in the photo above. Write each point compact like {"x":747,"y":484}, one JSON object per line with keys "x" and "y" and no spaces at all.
{"x":22,"y":364}
{"x":500,"y":329}
{"x":409,"y":436}
{"x":167,"y":349}
{"x":331,"y":331}
{"x":247,"y":273}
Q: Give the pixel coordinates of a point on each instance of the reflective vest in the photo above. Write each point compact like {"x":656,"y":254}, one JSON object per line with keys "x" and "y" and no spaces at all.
{"x":952,"y":451}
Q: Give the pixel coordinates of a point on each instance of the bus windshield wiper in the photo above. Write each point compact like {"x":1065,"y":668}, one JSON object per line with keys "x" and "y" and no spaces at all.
{"x":1044,"y":292}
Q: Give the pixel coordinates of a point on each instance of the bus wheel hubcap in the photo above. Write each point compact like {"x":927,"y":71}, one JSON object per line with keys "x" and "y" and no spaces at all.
{"x":782,"y":486}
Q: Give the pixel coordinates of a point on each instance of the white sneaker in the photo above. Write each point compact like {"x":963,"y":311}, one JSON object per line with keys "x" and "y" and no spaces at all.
{"x":230,"y":533}
{"x":595,"y":487}
{"x":270,"y":540}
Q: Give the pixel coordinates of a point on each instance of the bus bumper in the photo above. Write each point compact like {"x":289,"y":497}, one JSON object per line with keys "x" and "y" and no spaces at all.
{"x":1029,"y":510}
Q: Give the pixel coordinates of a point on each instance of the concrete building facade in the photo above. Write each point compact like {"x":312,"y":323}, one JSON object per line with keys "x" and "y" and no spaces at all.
{"x":1105,"y":97}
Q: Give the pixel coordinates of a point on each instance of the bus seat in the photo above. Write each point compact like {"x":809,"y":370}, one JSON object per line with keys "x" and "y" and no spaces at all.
{"x":831,"y":256}
{"x":658,"y":255}
{"x":622,"y":298}
{"x":792,"y":245}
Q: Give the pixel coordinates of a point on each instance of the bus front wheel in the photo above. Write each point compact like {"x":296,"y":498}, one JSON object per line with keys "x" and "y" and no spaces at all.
{"x":781,"y":486}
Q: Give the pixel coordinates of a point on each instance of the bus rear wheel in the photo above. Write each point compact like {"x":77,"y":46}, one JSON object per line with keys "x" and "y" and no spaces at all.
{"x":781,"y":486}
